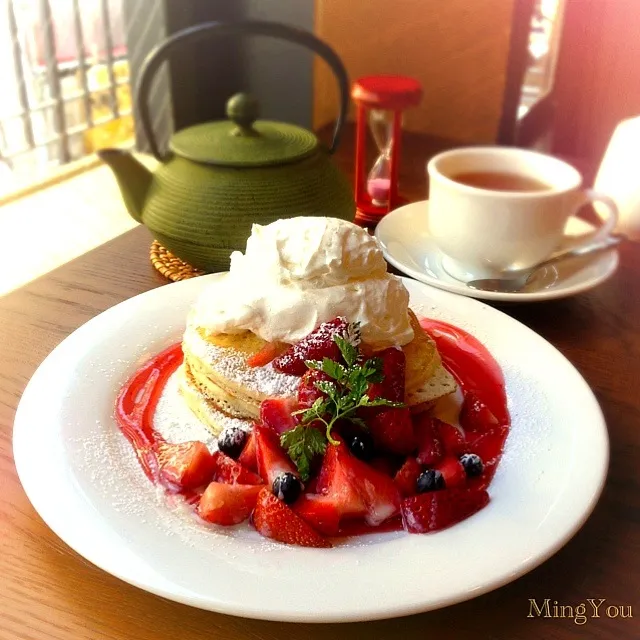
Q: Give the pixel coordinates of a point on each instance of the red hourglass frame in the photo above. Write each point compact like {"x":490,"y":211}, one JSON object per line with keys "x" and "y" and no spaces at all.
{"x":391,"y":94}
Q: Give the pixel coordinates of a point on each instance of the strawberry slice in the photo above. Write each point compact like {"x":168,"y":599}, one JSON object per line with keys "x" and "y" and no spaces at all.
{"x":438,"y":510}
{"x":384,"y":465}
{"x":318,"y":511}
{"x":334,"y":481}
{"x":489,"y":446}
{"x":273,"y":519}
{"x":186,"y":465}
{"x":380,"y":494}
{"x":355,"y":488}
{"x":393,"y":369}
{"x":317,"y":345}
{"x":430,"y":448}
{"x":392,"y":430}
{"x":230,"y":471}
{"x":228,"y":504}
{"x":271,"y":458}
{"x":453,"y":472}
{"x":308,"y":393}
{"x":475,"y":415}
{"x":451,"y":438}
{"x":312,"y":485}
{"x":407,"y":477}
{"x":248,"y":456}
{"x":270,"y":351}
{"x":276,"y":413}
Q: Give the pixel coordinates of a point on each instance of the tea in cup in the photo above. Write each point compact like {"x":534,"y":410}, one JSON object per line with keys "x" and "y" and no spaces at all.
{"x":497,"y":209}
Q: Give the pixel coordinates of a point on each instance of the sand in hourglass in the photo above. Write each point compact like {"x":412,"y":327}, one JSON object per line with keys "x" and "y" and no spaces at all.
{"x":378,"y":189}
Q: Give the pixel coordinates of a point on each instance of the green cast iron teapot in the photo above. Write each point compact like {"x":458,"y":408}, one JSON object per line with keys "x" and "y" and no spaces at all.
{"x":218,"y":178}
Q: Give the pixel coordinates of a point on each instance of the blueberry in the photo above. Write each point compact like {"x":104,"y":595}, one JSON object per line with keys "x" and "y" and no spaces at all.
{"x":287,"y":487}
{"x":430,"y":480}
{"x":472,"y":464}
{"x":231,"y":441}
{"x":361,"y":445}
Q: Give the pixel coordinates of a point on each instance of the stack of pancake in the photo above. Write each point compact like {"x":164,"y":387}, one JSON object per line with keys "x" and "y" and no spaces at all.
{"x":217,"y":382}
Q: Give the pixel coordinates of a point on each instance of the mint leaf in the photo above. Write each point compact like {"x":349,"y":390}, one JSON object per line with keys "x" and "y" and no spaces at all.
{"x":303,"y":444}
{"x":365,"y":401}
{"x":333,"y":369}
{"x":372,"y":370}
{"x":348,"y":351}
{"x":328,"y":388}
{"x":352,"y":334}
{"x":314,"y":364}
{"x":319,"y":405}
{"x":316,"y":411}
{"x":347,"y":391}
{"x":346,"y":402}
{"x":359,"y":422}
{"x":357,"y":383}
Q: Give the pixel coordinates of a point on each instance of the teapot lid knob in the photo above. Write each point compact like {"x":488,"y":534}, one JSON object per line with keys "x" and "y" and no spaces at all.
{"x":242,"y":140}
{"x":243,"y":109}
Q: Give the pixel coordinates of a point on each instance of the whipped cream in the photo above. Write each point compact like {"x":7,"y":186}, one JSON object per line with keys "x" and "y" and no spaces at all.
{"x":300,"y":272}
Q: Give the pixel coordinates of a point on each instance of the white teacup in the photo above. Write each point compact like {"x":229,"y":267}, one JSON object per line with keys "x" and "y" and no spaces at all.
{"x":485,"y":232}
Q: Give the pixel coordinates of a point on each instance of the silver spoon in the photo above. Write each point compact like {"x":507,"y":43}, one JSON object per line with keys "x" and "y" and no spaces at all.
{"x":518,"y":279}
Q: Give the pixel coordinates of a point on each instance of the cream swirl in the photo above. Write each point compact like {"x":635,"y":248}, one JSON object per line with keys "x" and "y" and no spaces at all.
{"x":300,"y":272}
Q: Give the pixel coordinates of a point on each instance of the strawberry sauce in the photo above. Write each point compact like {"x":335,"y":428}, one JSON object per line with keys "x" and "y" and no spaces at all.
{"x":475,"y":370}
{"x":471,"y":364}
{"x":359,"y":528}
{"x":136,"y":405}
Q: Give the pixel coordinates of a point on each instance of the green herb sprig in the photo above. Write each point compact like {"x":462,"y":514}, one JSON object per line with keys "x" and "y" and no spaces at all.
{"x":345,"y":393}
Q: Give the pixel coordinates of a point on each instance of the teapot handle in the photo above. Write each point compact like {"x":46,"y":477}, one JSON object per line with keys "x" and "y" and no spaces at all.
{"x":251,"y":27}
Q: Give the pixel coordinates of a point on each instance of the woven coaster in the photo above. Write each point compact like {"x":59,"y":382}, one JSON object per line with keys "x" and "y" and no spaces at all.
{"x":171,"y":266}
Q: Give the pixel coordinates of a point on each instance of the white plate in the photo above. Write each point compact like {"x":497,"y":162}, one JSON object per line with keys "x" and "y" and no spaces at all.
{"x":81,"y":476}
{"x":407,"y":245}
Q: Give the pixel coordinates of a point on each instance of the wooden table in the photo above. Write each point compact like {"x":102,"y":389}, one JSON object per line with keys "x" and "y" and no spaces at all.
{"x":48,"y":592}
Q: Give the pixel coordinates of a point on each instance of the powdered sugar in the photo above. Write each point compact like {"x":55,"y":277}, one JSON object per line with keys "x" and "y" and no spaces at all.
{"x":316,"y":346}
{"x":232,"y":365}
{"x":108,"y":461}
{"x":175,"y":422}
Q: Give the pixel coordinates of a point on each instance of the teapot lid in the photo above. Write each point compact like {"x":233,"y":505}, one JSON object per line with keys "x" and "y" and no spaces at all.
{"x":241,"y":141}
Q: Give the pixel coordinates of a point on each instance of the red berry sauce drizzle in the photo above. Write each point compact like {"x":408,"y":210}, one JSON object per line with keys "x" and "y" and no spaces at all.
{"x":136,"y":406}
{"x":478,"y":374}
{"x":471,"y":364}
{"x":468,"y":360}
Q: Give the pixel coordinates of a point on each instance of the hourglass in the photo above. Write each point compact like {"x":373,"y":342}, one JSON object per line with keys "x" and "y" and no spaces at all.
{"x":380,"y":102}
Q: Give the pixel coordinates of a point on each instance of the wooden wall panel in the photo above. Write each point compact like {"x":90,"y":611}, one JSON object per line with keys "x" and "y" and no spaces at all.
{"x":457,"y":48}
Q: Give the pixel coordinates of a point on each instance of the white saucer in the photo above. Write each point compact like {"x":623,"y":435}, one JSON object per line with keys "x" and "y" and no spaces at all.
{"x":407,"y":245}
